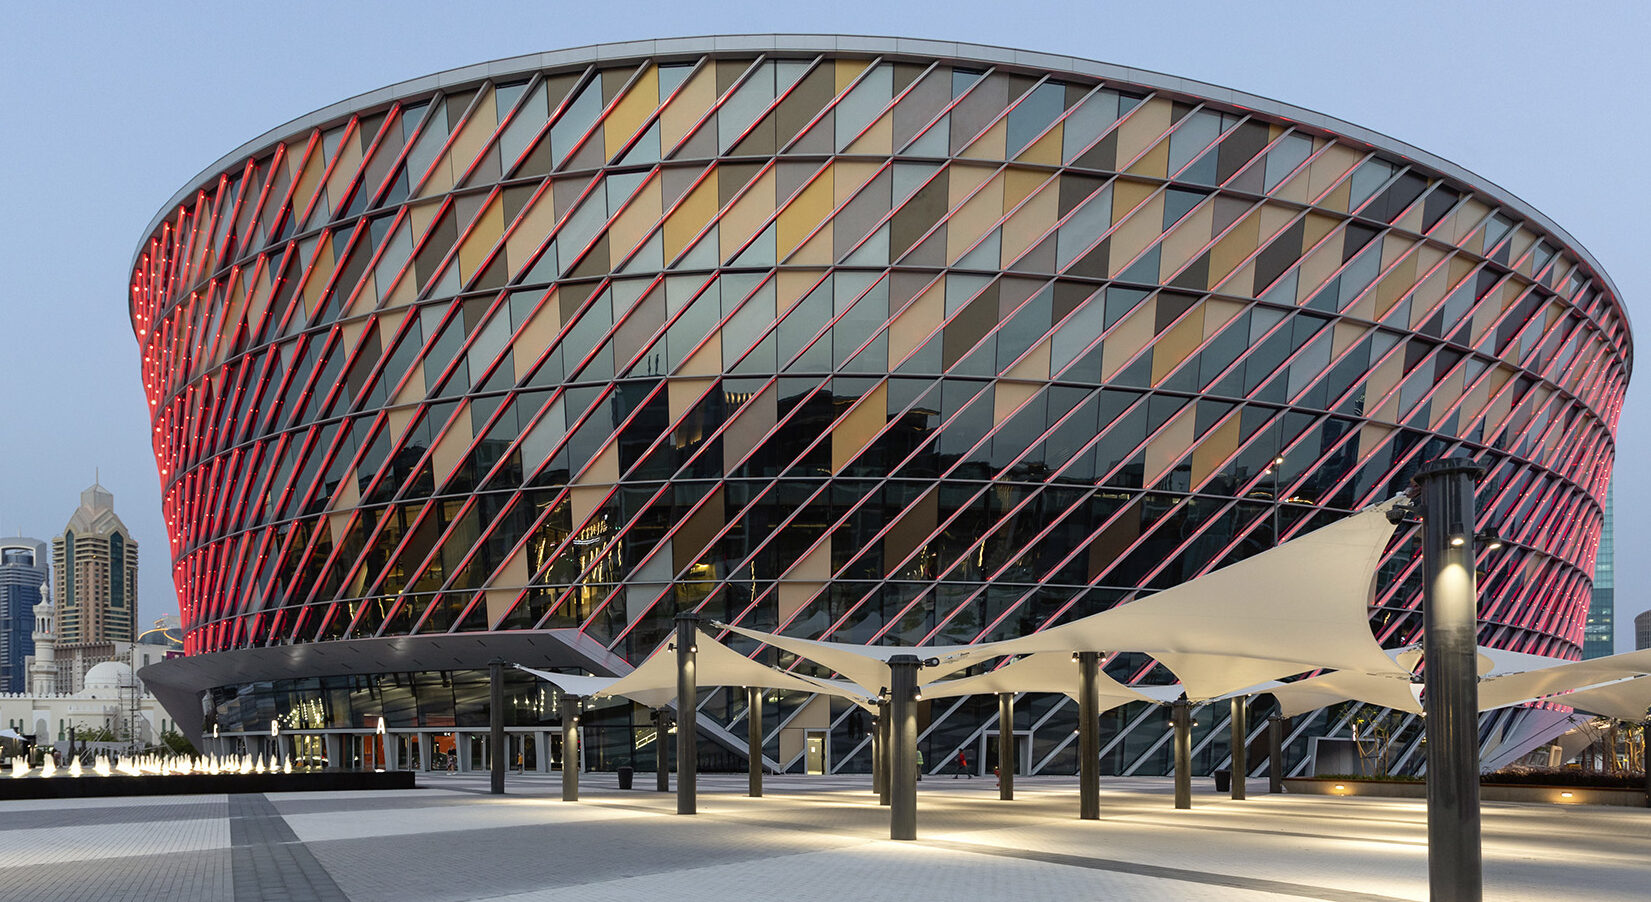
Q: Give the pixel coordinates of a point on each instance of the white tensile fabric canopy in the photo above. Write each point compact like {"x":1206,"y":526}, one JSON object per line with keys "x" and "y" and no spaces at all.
{"x":1511,"y":688}
{"x":1388,"y":690}
{"x":572,"y":683}
{"x":867,"y":665}
{"x":1625,"y":699}
{"x":1303,"y":605}
{"x":653,"y":683}
{"x":1044,"y":672}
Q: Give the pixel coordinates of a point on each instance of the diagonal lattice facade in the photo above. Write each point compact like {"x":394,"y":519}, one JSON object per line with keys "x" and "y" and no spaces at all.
{"x":859,"y":343}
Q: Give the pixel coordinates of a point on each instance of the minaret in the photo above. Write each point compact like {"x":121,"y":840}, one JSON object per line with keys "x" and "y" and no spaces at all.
{"x":43,"y":667}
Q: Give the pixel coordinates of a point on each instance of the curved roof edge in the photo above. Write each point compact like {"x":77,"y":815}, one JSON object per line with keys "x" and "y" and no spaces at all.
{"x":918,"y":47}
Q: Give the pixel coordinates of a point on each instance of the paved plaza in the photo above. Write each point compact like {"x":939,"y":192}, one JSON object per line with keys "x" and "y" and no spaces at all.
{"x":810,"y":838}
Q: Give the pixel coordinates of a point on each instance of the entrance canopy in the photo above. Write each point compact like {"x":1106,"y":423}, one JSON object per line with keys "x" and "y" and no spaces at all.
{"x":653,"y":683}
{"x":1511,"y":688}
{"x":1625,"y":700}
{"x":1394,"y":691}
{"x":1301,"y":606}
{"x":1042,"y":672}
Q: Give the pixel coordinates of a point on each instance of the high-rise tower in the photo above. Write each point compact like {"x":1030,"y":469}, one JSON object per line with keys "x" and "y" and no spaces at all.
{"x":96,"y":562}
{"x":22,"y":573}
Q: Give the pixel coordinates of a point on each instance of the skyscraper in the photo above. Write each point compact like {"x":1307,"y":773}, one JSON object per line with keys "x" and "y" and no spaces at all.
{"x":22,"y":574}
{"x":96,"y":561}
{"x":1599,"y":637}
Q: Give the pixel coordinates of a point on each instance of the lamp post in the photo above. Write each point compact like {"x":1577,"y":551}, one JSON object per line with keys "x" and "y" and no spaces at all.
{"x":1006,"y":746}
{"x":1275,"y":753}
{"x":753,"y":740}
{"x":1181,"y":723}
{"x":884,"y":752}
{"x":1451,"y":625}
{"x":687,"y":725}
{"x":570,"y":748}
{"x":1089,"y":735}
{"x":662,"y":751}
{"x":903,"y":757}
{"x":495,"y":723}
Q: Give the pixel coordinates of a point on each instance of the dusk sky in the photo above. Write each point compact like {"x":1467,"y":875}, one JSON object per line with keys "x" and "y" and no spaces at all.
{"x":112,"y":107}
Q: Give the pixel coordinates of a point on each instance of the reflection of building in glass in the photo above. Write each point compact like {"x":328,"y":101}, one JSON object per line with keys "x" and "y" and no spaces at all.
{"x":22,"y":577}
{"x":868,"y":340}
{"x":1600,"y":636}
{"x":96,"y":562}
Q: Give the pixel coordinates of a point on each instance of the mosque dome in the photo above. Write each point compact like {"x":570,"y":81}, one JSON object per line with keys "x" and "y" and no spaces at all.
{"x":109,"y":675}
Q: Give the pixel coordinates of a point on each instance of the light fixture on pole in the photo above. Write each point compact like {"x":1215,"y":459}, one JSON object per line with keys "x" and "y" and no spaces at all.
{"x":1443,"y":495}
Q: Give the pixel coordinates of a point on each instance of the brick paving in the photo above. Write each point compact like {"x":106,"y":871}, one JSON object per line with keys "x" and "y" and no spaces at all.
{"x":809,"y":838}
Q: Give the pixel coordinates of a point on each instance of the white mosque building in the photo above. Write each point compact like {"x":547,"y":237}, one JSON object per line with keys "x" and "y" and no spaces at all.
{"x":111,"y":699}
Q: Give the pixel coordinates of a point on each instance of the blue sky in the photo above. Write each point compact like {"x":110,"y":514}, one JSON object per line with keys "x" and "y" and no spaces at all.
{"x":111,"y":107}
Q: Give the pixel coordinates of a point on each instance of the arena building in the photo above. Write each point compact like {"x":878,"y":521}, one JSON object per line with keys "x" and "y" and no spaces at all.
{"x":868,"y":339}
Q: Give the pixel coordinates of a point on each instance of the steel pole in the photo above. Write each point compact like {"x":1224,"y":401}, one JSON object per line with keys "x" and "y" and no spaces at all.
{"x":1181,"y":721}
{"x":570,"y":748}
{"x":1240,"y":737}
{"x":662,"y":750}
{"x":753,"y":739}
{"x":1275,"y":753}
{"x":1006,"y":757}
{"x":1451,"y":627}
{"x":495,"y":722}
{"x":1089,"y":735}
{"x":687,"y":699}
{"x":876,"y":758}
{"x":903,"y":732}
{"x":885,"y":751}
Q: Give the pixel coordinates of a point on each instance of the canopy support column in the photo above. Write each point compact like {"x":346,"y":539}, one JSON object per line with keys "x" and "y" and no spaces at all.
{"x":1451,"y":627}
{"x":495,"y":722}
{"x":570,"y":748}
{"x":1006,"y":746}
{"x":884,"y":752}
{"x":903,"y":730}
{"x":687,"y":722}
{"x":1240,"y":739}
{"x":662,"y":750}
{"x":1089,"y":735}
{"x":1275,"y":753}
{"x":1181,"y":721}
{"x":753,"y":739}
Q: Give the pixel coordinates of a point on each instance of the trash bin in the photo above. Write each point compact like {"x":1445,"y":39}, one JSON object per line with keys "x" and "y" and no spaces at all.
{"x":626,"y":773}
{"x":1223,"y":780}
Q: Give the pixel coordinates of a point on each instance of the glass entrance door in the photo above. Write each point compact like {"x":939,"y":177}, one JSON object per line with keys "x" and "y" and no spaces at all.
{"x":988,"y":753}
{"x":815,"y":752}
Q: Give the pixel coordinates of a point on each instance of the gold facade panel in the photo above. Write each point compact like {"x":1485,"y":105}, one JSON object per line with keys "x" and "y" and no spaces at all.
{"x":806,"y":210}
{"x":690,"y":216}
{"x":856,"y":429}
{"x":747,"y":215}
{"x":1128,"y":338}
{"x":1219,"y":445}
{"x":1032,"y":221}
{"x":1137,"y":233}
{"x":632,"y":110}
{"x":1142,"y":129}
{"x":1186,"y":240}
{"x":915,"y":324}
{"x":635,"y":223}
{"x":687,"y":107}
{"x":1169,"y":445}
{"x":484,"y":234}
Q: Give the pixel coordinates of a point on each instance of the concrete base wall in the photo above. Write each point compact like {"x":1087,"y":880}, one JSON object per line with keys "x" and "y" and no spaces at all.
{"x":1490,"y":792}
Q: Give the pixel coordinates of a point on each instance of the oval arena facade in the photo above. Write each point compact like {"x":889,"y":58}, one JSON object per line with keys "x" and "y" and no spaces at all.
{"x":875,"y":340}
